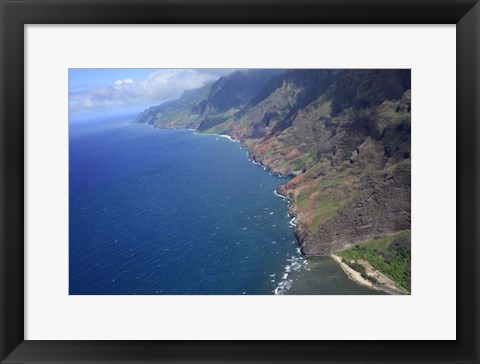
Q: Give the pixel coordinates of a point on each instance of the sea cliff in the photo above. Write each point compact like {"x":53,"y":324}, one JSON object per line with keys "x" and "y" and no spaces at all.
{"x":343,"y":134}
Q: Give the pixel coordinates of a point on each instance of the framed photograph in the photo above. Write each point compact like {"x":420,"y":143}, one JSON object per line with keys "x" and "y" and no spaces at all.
{"x":239,"y":181}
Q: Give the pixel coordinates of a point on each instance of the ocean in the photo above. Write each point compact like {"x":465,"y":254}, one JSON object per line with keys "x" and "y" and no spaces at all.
{"x":175,"y":213}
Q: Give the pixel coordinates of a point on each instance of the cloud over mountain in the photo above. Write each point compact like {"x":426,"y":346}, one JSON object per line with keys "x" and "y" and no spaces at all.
{"x":159,"y":86}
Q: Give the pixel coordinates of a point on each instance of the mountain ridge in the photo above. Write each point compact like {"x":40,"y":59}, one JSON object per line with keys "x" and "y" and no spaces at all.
{"x":343,"y":134}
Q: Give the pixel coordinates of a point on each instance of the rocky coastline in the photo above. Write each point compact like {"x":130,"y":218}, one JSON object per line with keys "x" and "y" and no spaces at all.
{"x":344,"y":136}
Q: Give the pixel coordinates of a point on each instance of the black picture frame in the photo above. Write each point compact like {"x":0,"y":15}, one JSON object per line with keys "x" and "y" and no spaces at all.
{"x":17,"y":13}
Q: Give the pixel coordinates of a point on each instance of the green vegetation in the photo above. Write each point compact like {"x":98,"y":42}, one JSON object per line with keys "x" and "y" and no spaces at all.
{"x":302,"y":162}
{"x":391,"y":255}
{"x":214,"y":130}
{"x":321,"y":217}
{"x":360,"y":269}
{"x":302,"y":197}
{"x":354,"y":265}
{"x":283,"y":162}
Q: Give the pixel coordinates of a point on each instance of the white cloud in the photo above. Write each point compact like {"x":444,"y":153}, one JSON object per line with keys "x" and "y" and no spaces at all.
{"x":121,"y":82}
{"x":161,"y":85}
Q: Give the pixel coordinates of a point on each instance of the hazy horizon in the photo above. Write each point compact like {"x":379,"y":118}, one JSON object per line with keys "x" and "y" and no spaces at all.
{"x":101,"y":93}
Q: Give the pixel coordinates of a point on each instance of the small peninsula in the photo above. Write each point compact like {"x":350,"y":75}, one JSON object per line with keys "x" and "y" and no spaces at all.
{"x":345,"y":137}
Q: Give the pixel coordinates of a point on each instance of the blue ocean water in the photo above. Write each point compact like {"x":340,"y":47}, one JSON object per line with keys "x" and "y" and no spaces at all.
{"x":170,"y":212}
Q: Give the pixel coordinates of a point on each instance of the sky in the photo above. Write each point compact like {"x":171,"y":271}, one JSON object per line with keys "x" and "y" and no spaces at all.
{"x":108,"y":92}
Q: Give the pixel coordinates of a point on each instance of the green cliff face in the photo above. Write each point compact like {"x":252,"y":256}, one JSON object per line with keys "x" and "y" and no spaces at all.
{"x":345,"y":134}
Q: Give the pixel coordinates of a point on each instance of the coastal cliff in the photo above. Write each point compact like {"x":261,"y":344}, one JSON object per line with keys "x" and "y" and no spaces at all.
{"x":343,"y":134}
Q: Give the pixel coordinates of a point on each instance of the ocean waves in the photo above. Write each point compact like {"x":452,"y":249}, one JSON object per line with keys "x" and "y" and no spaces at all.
{"x":165,"y":212}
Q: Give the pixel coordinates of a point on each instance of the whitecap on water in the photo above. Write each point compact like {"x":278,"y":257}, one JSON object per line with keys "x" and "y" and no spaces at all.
{"x":296,"y":265}
{"x":283,"y":287}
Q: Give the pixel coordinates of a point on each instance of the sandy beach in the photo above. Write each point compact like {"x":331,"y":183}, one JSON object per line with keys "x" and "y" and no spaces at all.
{"x":386,"y":284}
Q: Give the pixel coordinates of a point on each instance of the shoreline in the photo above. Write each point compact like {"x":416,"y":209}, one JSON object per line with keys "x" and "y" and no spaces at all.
{"x":285,"y":284}
{"x":357,"y":278}
{"x":351,"y":273}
